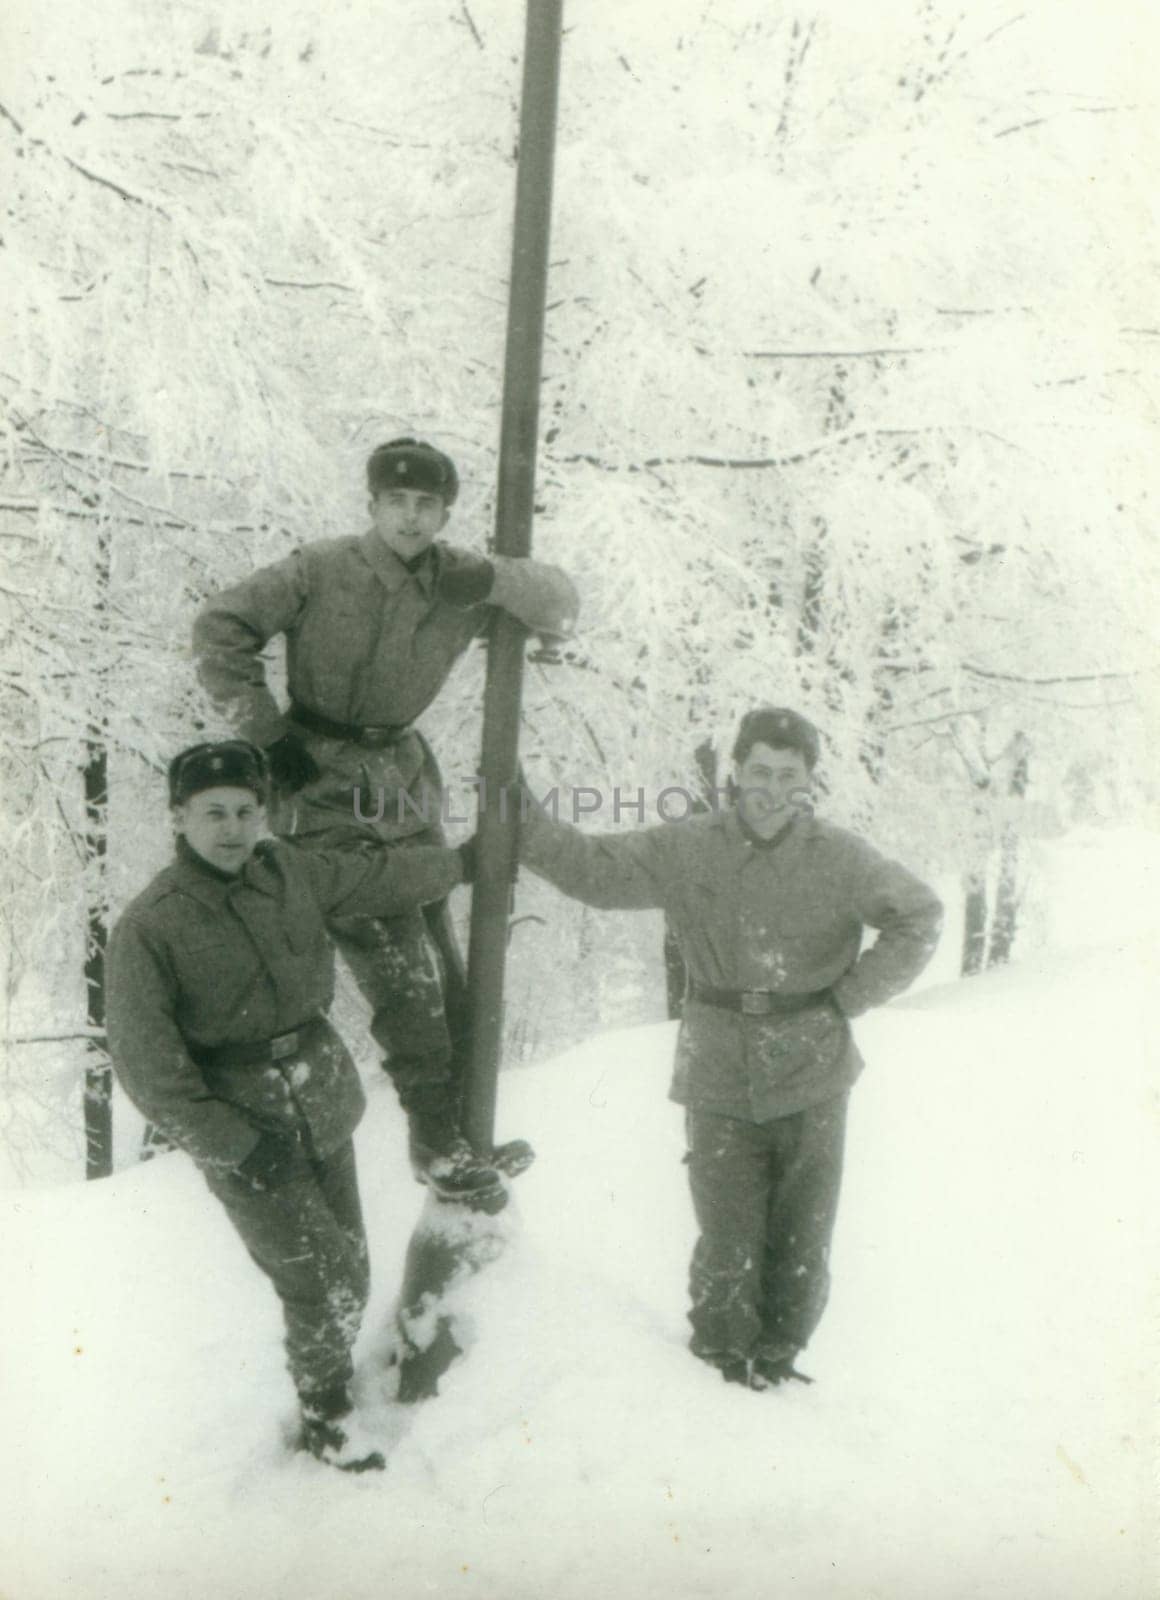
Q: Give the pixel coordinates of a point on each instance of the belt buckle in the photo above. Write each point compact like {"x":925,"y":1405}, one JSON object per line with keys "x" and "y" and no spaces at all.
{"x":286,"y":1044}
{"x":755,"y":1003}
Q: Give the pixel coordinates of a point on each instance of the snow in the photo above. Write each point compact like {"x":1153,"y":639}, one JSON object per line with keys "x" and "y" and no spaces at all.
{"x":983,"y":1419}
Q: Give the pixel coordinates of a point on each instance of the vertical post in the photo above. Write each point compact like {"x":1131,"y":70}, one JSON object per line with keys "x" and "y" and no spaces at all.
{"x":519,"y":433}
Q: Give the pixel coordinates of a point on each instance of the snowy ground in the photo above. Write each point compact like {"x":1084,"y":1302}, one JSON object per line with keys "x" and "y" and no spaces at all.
{"x":985,"y":1413}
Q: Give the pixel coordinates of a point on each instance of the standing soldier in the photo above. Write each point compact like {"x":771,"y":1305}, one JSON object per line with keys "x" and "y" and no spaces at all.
{"x":768,"y":906}
{"x":373,"y":626}
{"x":220,"y":978}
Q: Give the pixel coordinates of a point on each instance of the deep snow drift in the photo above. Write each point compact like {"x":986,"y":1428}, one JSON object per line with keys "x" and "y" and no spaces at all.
{"x":983,"y":1421}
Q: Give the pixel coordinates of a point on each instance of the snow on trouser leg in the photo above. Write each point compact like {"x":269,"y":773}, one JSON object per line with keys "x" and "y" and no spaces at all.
{"x":307,"y":1236}
{"x":332,"y":1433}
{"x":450,"y":1244}
{"x":765,"y":1197}
{"x":806,"y":1178}
{"x":727,"y":1180}
{"x":399,"y":972}
{"x":404,"y":973}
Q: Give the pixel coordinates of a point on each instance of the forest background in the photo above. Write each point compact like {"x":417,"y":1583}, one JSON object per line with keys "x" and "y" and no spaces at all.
{"x":849,"y":404}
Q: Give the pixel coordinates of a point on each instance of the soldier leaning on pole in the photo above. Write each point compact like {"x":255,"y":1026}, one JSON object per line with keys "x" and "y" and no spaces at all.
{"x":373,"y":626}
{"x":768,"y":905}
{"x":220,"y":976}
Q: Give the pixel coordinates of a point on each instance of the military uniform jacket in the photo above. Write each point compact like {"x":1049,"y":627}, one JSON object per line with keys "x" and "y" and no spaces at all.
{"x":201,"y":959}
{"x":789,"y":917}
{"x":370,"y":643}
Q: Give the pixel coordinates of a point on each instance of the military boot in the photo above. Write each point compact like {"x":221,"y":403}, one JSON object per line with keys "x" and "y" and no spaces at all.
{"x":440,"y":1155}
{"x":773,"y":1370}
{"x":332,"y":1433}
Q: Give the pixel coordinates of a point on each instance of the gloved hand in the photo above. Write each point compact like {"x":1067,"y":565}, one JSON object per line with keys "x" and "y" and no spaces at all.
{"x":291,"y":765}
{"x":465,"y":579}
{"x":275,"y":1159}
{"x":468,"y":851}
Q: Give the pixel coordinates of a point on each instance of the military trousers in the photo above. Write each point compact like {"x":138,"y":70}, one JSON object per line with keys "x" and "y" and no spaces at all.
{"x":307,"y":1236}
{"x":410,"y":972}
{"x":765,"y":1197}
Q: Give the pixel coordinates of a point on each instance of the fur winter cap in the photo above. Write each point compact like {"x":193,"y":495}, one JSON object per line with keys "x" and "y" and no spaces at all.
{"x":228,"y":764}
{"x":780,"y":729}
{"x":412,"y":464}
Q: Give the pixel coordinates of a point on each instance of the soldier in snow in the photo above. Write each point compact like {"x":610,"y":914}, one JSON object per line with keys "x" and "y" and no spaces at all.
{"x":768,"y":905}
{"x":220,"y":976}
{"x":373,"y":626}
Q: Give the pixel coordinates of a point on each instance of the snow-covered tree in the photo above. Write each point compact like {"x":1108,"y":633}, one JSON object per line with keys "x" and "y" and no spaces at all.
{"x":848,"y":404}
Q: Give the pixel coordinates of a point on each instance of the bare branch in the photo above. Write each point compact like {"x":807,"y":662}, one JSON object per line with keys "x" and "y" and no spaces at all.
{"x":759,"y":463}
{"x":1010,"y":23}
{"x":289,"y":283}
{"x":929,"y":722}
{"x":86,"y":172}
{"x":834,"y":355}
{"x":470,"y":20}
{"x":1068,"y":111}
{"x":54,"y":1038}
{"x":1041,"y":682}
{"x":1019,"y":127}
{"x":102,"y":480}
{"x":108,"y":183}
{"x":187,"y":166}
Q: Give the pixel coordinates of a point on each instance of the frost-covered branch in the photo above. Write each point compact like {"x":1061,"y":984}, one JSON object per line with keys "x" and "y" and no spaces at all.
{"x":1049,"y":679}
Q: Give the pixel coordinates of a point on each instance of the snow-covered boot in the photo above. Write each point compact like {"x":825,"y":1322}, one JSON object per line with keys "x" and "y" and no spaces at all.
{"x":740,"y":1369}
{"x":733,"y":1368}
{"x":512,"y":1158}
{"x":444,"y":1159}
{"x":775,"y":1371}
{"x":440,"y":1155}
{"x":754,"y":1372}
{"x":333,"y":1434}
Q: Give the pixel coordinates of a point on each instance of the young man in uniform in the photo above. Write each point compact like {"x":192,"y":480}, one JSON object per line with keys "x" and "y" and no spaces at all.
{"x":220,"y":976}
{"x":373,"y":626}
{"x":768,"y":905}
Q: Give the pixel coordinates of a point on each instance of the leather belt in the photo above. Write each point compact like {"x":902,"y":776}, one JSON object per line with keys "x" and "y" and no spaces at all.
{"x":376,"y":735}
{"x":258,"y":1052}
{"x":758,"y":1002}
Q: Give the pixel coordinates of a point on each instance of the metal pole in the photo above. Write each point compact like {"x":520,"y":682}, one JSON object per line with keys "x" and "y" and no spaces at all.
{"x":519,"y":432}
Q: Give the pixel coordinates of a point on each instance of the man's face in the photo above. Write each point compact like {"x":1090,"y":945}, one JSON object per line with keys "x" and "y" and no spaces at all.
{"x":768,"y":781}
{"x":222,"y":825}
{"x":407,"y":520}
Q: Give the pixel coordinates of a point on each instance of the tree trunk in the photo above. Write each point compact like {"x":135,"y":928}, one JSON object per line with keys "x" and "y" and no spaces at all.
{"x":974,"y":924}
{"x":98,"y":1100}
{"x":1006,"y":921}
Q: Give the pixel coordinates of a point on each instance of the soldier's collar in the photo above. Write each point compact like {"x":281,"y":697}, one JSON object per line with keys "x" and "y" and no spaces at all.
{"x":800,"y":828}
{"x":393,"y":572}
{"x":188,"y":857}
{"x":209,"y":884}
{"x":759,"y":841}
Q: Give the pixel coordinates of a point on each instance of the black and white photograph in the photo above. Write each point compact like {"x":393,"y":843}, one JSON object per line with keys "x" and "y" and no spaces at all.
{"x":579,"y":802}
